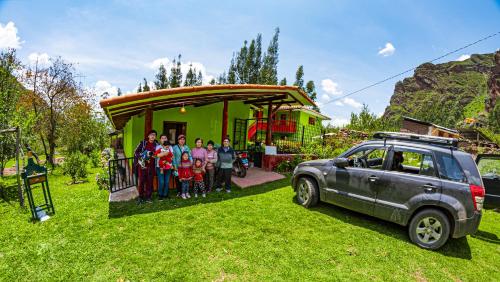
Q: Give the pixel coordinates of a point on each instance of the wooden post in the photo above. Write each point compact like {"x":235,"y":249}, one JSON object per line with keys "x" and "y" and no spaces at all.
{"x":269,"y":122}
{"x":148,"y":121}
{"x":18,"y":149}
{"x":224,"y":121}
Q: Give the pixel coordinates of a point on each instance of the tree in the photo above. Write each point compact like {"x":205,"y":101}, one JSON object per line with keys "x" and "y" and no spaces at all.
{"x":175,"y":77}
{"x":269,"y":70}
{"x":311,"y":92}
{"x":139,"y":89}
{"x":105,"y":95}
{"x":190,"y":77}
{"x":119,"y":92}
{"x":56,"y":91}
{"x":10,"y":90}
{"x":299,"y":77}
{"x":231,"y":74}
{"x":212,"y":81}
{"x":161,"y":81}
{"x":283,"y":81}
{"x":199,"y":79}
{"x":145,"y":88}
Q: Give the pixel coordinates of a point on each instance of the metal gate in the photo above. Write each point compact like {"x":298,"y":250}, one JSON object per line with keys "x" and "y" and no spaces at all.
{"x":240,"y":134}
{"x":121,"y":175}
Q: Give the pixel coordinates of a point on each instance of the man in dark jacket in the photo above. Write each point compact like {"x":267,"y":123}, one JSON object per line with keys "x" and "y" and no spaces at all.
{"x":144,"y":166}
{"x":225,"y":159}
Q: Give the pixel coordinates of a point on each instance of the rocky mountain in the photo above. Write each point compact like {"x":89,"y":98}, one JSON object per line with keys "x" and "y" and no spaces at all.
{"x":448,"y":93}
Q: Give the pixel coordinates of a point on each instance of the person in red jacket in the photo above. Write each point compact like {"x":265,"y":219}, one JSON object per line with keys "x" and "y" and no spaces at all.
{"x":199,"y":183}
{"x":185,"y":171}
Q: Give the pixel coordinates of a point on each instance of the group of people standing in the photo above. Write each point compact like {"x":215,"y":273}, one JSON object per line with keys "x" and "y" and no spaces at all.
{"x":200,"y":170}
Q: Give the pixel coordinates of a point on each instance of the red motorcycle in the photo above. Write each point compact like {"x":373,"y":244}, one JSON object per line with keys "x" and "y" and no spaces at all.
{"x":240,"y":164}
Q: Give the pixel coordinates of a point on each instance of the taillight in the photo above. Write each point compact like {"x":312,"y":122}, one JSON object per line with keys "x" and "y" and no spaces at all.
{"x":477,"y":193}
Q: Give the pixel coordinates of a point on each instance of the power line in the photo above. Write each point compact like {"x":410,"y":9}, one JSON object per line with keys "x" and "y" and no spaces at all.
{"x":411,"y":69}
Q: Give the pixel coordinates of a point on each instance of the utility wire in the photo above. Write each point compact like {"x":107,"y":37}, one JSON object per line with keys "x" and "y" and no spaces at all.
{"x":411,"y":69}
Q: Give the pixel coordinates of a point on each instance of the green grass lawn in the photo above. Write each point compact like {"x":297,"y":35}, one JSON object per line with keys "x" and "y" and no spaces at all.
{"x":254,"y":234}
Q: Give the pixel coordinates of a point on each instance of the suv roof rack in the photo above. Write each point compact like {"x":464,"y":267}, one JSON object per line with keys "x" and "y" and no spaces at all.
{"x":411,"y":137}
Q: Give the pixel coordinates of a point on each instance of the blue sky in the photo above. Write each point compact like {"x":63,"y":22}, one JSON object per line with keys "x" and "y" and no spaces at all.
{"x":343,"y":45}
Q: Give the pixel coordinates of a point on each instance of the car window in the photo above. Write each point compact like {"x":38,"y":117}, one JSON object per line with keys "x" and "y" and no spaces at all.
{"x":489,"y":167}
{"x":412,"y":162}
{"x":372,"y":158}
{"x":449,"y":168}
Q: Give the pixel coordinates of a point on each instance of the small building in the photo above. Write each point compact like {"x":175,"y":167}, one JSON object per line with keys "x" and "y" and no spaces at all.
{"x":212,"y":112}
{"x":412,"y":125}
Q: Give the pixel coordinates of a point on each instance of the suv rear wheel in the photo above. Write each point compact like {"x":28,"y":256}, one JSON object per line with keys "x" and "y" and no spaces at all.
{"x":429,"y":229}
{"x":307,"y":192}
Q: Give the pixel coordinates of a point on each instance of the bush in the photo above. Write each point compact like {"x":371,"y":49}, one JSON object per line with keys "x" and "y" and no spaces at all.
{"x":95,"y":158}
{"x":75,"y":165}
{"x":102,"y":179}
{"x":289,"y":165}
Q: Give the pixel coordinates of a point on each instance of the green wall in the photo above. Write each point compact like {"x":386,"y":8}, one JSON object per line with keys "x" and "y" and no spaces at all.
{"x":204,"y":122}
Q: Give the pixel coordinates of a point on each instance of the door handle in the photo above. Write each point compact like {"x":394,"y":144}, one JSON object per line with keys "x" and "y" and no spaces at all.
{"x":373,"y":178}
{"x":429,"y":188}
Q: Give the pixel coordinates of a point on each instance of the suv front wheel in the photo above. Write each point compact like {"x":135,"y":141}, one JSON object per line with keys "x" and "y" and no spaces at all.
{"x":307,"y":192}
{"x":429,"y":229}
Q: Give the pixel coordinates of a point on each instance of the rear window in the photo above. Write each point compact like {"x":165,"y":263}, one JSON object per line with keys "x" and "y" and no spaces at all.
{"x":470,"y":168}
{"x":449,"y":168}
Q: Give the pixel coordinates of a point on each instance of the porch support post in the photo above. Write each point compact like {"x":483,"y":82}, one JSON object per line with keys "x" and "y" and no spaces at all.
{"x":148,"y":121}
{"x":269,"y":122}
{"x":224,"y":120}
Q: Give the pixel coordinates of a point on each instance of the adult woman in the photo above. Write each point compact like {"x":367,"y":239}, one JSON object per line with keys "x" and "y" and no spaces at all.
{"x":144,"y":166}
{"x":178,"y":149}
{"x":199,"y":152}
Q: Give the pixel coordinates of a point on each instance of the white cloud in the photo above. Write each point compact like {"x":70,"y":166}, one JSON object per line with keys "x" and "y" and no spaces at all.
{"x":8,"y":36}
{"x":349,"y":102}
{"x":155,"y":64}
{"x":463,"y":57}
{"x":102,"y":86}
{"x":330,"y":87}
{"x":339,"y":122}
{"x":388,"y":50}
{"x":42,"y":58}
{"x":160,"y":61}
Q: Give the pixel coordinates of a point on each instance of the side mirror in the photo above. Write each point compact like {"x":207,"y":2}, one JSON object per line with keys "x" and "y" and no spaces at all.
{"x":341,"y":162}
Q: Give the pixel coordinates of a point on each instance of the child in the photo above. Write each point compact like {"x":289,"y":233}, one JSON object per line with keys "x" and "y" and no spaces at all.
{"x":225,"y":159}
{"x":199,"y":183}
{"x":163,"y":168}
{"x":185,"y":171}
{"x":210,"y":165}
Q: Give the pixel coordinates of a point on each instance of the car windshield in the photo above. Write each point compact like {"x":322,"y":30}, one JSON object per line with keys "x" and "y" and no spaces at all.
{"x":489,"y":167}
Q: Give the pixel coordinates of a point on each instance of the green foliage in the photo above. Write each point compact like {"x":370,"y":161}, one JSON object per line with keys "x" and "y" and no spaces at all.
{"x":286,"y":166}
{"x":299,"y":77}
{"x":145,"y":88}
{"x":161,"y":81}
{"x":75,"y":165}
{"x":95,"y":158}
{"x":494,"y":118}
{"x":367,"y":121}
{"x":102,"y":179}
{"x":475,"y":107}
{"x":269,"y":70}
{"x":283,"y":81}
{"x":175,"y":77}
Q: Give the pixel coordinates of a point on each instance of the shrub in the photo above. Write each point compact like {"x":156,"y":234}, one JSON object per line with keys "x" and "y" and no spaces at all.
{"x":95,"y":158}
{"x":75,"y":165}
{"x":102,"y":179}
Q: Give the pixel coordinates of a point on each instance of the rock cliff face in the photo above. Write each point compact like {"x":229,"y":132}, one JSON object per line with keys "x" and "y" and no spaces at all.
{"x":447,"y":93}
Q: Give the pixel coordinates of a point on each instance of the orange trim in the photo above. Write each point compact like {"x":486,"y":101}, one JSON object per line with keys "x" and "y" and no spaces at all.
{"x":179,"y":90}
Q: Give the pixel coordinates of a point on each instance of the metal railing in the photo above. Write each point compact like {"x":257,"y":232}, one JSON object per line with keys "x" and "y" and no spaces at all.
{"x":121,"y":175}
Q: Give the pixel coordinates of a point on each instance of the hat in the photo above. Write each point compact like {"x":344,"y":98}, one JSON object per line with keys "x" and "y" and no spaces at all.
{"x":181,"y":137}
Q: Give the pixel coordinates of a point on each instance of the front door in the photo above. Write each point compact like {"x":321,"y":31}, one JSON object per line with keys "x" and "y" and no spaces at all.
{"x":355,"y":186}
{"x":411,"y":180}
{"x":173,"y":129}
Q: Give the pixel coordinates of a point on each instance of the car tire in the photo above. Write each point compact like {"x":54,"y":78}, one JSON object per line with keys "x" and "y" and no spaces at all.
{"x":429,"y":229}
{"x":307,"y":192}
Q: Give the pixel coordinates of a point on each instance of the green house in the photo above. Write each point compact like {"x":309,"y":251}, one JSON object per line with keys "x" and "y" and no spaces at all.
{"x":212,"y":112}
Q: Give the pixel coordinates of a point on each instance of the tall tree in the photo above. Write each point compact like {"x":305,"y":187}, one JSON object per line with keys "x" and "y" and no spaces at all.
{"x":119,"y":92}
{"x":161,"y":81}
{"x":57,"y":91}
{"x":199,"y":79}
{"x":212,"y":81}
{"x":10,"y":90}
{"x":299,"y":77}
{"x":231,"y":74}
{"x":311,"y":92}
{"x":139,"y":89}
{"x":269,"y":70}
{"x":145,"y":88}
{"x":241,"y":65}
{"x":190,"y":77}
{"x":176,"y":73}
{"x":283,"y":81}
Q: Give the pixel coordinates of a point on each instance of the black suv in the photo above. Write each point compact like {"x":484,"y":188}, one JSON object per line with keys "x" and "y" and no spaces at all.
{"x":418,"y":181}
